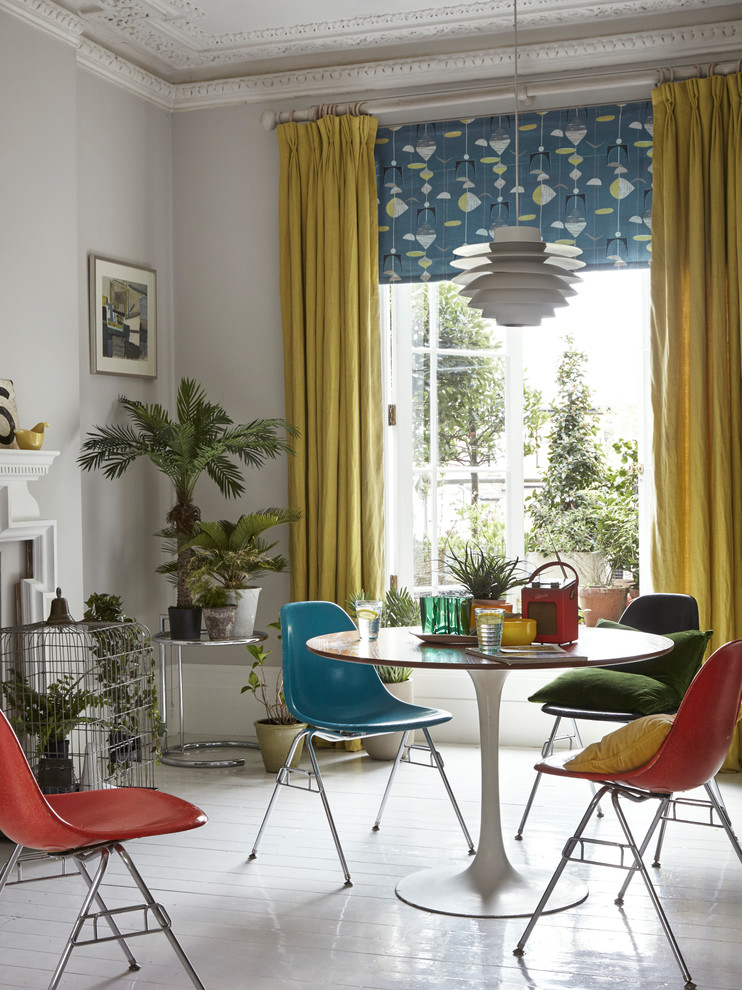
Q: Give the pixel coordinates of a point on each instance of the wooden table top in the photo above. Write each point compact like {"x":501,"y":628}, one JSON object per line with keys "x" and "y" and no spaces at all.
{"x":399,"y":647}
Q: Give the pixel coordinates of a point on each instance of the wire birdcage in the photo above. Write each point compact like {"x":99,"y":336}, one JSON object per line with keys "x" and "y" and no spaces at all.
{"x":82,"y":699}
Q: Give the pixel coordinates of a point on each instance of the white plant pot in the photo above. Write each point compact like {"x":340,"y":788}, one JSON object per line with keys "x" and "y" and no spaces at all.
{"x":385,"y":747}
{"x":246,"y":600}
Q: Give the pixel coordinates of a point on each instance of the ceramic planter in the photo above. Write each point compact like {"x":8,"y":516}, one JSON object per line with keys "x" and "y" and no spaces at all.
{"x":219,"y":621}
{"x":246,"y":600}
{"x":185,"y":623}
{"x":275,"y":742}
{"x":385,"y":747}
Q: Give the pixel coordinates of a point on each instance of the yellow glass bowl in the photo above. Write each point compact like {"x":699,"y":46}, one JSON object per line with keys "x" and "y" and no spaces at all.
{"x":518,"y":632}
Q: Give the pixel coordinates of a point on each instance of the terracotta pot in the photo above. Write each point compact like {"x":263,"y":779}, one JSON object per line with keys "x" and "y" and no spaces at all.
{"x":602,"y":603}
{"x":487,"y":603}
{"x":275,"y":742}
{"x":385,"y":747}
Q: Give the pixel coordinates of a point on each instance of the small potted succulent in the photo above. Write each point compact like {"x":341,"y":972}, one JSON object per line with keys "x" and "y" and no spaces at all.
{"x":486,"y":574}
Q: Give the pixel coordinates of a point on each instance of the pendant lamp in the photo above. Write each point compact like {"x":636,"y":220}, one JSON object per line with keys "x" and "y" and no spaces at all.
{"x":517,"y":279}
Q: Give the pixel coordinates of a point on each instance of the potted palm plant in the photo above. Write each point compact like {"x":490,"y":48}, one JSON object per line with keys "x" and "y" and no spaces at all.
{"x":201,"y":438}
{"x":233,"y":554}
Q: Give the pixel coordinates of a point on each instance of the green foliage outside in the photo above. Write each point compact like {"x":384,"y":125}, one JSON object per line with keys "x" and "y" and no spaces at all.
{"x":585,"y":504}
{"x":471,"y":387}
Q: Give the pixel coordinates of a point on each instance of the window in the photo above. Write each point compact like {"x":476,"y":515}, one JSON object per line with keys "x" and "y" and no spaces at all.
{"x":472,"y":403}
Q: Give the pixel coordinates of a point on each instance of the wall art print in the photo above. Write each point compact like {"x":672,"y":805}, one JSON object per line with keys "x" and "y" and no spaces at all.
{"x":8,"y":415}
{"x":123,"y":319}
{"x":585,"y":177}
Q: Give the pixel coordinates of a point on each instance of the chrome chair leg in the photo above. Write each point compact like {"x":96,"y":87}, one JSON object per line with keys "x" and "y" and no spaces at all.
{"x":105,"y":855}
{"x":657,"y":820}
{"x":280,"y":778}
{"x":690,"y":985}
{"x":712,"y":789}
{"x":9,"y":866}
{"x":716,"y":803}
{"x":397,"y":759}
{"x":161,"y":917}
{"x":82,"y":869}
{"x":566,"y":853}
{"x":328,"y":812}
{"x":546,"y":750}
{"x":439,"y":765}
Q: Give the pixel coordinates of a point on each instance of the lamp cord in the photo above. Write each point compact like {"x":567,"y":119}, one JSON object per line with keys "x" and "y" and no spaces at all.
{"x":517,"y":130}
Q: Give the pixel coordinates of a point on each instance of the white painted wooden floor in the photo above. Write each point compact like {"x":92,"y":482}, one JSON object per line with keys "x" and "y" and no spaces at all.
{"x":286,"y":921}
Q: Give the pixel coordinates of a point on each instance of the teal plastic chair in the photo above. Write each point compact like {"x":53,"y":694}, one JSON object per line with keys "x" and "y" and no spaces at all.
{"x":339,"y":700}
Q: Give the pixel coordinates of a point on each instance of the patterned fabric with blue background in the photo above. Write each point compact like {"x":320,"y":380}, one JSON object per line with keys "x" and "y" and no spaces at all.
{"x":585,"y":179}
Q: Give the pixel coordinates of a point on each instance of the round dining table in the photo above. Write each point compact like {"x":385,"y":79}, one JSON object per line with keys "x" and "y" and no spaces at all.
{"x":487,"y":885}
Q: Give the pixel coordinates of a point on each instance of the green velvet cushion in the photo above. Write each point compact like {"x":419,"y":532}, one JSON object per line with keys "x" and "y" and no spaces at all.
{"x":645,"y":687}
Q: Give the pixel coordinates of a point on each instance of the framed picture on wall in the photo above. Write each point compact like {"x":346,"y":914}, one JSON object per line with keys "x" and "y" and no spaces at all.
{"x":123,"y":319}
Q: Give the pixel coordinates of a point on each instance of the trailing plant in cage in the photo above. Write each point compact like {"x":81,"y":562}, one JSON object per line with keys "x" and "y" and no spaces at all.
{"x":125,"y":672}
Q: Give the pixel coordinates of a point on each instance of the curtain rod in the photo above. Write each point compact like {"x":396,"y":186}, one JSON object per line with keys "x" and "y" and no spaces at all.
{"x":270,"y":119}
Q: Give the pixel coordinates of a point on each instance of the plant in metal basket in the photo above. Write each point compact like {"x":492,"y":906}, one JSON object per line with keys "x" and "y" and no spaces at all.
{"x":52,"y":714}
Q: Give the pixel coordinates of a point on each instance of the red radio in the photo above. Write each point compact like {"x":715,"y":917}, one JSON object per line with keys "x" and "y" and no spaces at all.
{"x":553,"y":604}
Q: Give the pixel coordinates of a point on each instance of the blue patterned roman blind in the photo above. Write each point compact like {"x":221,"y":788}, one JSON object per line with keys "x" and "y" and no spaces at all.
{"x":585,"y":176}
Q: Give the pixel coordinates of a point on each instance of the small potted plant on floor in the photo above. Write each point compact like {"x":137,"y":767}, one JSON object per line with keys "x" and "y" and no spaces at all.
{"x":278,"y":729}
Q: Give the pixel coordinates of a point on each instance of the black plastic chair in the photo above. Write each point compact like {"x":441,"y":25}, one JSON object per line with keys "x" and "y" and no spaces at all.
{"x":658,"y":614}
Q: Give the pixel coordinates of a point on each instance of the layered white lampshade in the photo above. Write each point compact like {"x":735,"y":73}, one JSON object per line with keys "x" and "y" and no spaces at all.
{"x":517,"y":279}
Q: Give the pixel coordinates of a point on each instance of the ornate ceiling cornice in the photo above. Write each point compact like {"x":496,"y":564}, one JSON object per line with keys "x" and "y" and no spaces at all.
{"x":646,"y":47}
{"x":473,"y":67}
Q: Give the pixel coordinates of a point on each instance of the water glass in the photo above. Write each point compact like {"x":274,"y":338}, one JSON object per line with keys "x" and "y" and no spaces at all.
{"x":489,"y":623}
{"x":368,"y":619}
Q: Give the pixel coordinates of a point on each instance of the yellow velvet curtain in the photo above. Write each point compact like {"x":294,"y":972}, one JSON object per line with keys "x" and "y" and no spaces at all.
{"x":332,"y":355}
{"x":696,"y":285}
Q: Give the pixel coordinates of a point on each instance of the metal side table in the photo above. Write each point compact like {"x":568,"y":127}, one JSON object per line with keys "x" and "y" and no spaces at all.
{"x":174,"y":756}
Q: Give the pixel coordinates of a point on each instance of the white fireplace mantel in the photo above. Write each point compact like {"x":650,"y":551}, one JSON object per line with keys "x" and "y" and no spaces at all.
{"x":20,"y":520}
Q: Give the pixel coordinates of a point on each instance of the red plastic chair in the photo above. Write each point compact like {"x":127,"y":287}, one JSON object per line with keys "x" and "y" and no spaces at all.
{"x":692,"y":752}
{"x":84,"y":825}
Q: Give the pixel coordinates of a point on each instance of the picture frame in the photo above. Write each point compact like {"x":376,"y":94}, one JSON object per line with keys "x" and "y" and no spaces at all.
{"x":123,"y":319}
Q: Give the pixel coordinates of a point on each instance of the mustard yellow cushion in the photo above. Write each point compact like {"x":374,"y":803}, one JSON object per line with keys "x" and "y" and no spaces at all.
{"x":624,"y":749}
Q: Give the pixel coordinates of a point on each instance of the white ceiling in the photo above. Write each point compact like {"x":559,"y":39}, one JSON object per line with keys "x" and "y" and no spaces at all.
{"x":258,"y":49}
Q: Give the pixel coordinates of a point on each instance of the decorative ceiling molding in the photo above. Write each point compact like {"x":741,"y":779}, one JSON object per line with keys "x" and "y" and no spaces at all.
{"x":171,"y":32}
{"x":480,"y":67}
{"x":123,"y":73}
{"x":179,"y":20}
{"x":49,"y":16}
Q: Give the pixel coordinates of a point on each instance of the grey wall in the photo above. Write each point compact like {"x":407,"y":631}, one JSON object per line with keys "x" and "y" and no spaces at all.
{"x":39,"y":269}
{"x":125,"y":213}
